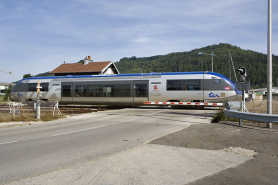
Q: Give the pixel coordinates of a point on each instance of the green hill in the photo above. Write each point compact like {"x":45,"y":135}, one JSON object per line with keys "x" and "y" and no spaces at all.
{"x":255,"y":63}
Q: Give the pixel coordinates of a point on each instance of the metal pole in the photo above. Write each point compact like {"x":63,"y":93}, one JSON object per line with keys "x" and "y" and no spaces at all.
{"x":242,"y":105}
{"x":230,"y":69}
{"x":269,"y":62}
{"x":212,"y":61}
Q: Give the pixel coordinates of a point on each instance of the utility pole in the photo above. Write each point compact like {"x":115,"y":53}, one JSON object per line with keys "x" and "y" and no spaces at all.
{"x":269,"y":62}
{"x":211,"y":61}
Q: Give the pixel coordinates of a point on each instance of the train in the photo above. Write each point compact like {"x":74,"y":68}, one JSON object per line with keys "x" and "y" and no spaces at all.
{"x":129,"y":89}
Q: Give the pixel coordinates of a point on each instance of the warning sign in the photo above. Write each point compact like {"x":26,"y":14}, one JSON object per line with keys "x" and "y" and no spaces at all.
{"x":242,"y":86}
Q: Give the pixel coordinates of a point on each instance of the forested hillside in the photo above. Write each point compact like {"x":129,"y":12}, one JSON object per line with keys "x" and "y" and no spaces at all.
{"x":255,"y":63}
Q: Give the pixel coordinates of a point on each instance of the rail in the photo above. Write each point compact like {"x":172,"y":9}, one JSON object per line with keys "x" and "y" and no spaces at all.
{"x":269,"y":118}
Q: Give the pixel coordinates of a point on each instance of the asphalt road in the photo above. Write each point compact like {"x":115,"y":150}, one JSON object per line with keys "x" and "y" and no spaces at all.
{"x":37,"y":149}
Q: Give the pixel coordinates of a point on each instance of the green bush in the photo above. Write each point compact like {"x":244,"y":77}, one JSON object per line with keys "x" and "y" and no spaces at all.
{"x":219,"y":116}
{"x":7,"y":92}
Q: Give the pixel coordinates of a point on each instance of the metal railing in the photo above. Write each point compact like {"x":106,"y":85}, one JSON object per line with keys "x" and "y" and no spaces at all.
{"x":269,"y":118}
{"x":253,"y":110}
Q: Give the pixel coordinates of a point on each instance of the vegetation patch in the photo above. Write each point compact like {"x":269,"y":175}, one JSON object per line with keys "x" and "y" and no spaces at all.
{"x":25,"y":117}
{"x":219,"y":116}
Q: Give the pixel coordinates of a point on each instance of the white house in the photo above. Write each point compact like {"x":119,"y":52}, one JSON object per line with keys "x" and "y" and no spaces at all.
{"x":3,"y":85}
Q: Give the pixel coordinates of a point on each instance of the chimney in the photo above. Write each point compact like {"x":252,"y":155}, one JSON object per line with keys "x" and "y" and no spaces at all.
{"x":86,"y":60}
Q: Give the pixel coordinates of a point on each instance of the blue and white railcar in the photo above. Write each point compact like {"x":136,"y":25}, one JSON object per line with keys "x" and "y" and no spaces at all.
{"x":129,"y":89}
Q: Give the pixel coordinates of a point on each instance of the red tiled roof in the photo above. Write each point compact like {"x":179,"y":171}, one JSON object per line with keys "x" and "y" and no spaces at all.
{"x":80,"y":67}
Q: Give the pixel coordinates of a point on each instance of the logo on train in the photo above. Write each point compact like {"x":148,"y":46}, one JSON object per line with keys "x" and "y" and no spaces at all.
{"x":19,"y":95}
{"x":155,"y":87}
{"x":212,"y":95}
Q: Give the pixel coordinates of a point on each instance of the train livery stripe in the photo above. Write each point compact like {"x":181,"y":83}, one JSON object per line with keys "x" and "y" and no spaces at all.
{"x":183,"y":103}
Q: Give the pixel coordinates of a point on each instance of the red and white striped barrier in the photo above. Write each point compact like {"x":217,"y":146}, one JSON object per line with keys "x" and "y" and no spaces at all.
{"x":183,"y":103}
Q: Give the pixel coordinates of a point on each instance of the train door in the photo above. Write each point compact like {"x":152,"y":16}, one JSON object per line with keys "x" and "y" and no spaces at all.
{"x":141,"y":91}
{"x":66,"y":92}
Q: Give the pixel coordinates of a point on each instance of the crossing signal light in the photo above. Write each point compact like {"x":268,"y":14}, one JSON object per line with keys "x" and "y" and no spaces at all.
{"x":243,"y":73}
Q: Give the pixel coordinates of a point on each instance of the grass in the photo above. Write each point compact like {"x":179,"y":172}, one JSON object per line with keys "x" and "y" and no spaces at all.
{"x":2,"y":102}
{"x":25,"y":117}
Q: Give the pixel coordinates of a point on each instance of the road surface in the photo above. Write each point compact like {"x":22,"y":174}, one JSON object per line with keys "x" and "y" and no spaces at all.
{"x":36,"y":149}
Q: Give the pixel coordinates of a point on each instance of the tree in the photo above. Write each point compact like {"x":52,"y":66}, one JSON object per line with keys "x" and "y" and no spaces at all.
{"x":255,"y":63}
{"x":27,"y":75}
{"x":7,"y":92}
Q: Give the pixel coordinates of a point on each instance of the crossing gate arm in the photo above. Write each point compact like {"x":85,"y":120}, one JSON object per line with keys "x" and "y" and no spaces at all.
{"x":184,"y":103}
{"x":269,"y":118}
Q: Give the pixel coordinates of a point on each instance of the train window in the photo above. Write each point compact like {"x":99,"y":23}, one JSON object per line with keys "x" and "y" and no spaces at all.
{"x":80,"y":91}
{"x":216,"y":81}
{"x":178,"y":85}
{"x":141,"y":90}
{"x":191,"y":85}
{"x":122,"y":90}
{"x":33,"y":86}
{"x":66,"y":91}
{"x":108,"y":91}
{"x":173,"y":85}
{"x":94,"y":91}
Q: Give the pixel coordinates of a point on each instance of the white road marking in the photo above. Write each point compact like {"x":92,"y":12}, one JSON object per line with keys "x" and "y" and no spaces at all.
{"x":78,"y":130}
{"x":141,"y":116}
{"x":8,"y":142}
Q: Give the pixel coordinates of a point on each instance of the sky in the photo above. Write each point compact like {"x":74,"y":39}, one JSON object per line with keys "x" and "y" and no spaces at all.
{"x":38,"y":36}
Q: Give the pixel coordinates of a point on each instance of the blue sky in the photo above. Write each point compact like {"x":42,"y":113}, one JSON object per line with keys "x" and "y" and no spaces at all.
{"x":37,"y":36}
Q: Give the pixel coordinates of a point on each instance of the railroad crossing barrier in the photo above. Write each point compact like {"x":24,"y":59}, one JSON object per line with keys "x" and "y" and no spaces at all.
{"x":184,"y":103}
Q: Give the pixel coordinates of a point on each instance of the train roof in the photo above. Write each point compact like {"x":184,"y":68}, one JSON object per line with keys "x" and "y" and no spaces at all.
{"x":126,"y":75}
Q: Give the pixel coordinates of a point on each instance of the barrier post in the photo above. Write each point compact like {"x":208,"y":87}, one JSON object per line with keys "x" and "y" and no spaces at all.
{"x":242,"y":105}
{"x":38,"y":104}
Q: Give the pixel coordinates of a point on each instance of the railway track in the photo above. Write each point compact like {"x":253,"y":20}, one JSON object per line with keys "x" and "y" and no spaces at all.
{"x":63,"y":109}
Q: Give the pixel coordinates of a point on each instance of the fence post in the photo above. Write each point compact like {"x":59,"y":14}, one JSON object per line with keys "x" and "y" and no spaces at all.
{"x":243,"y":104}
